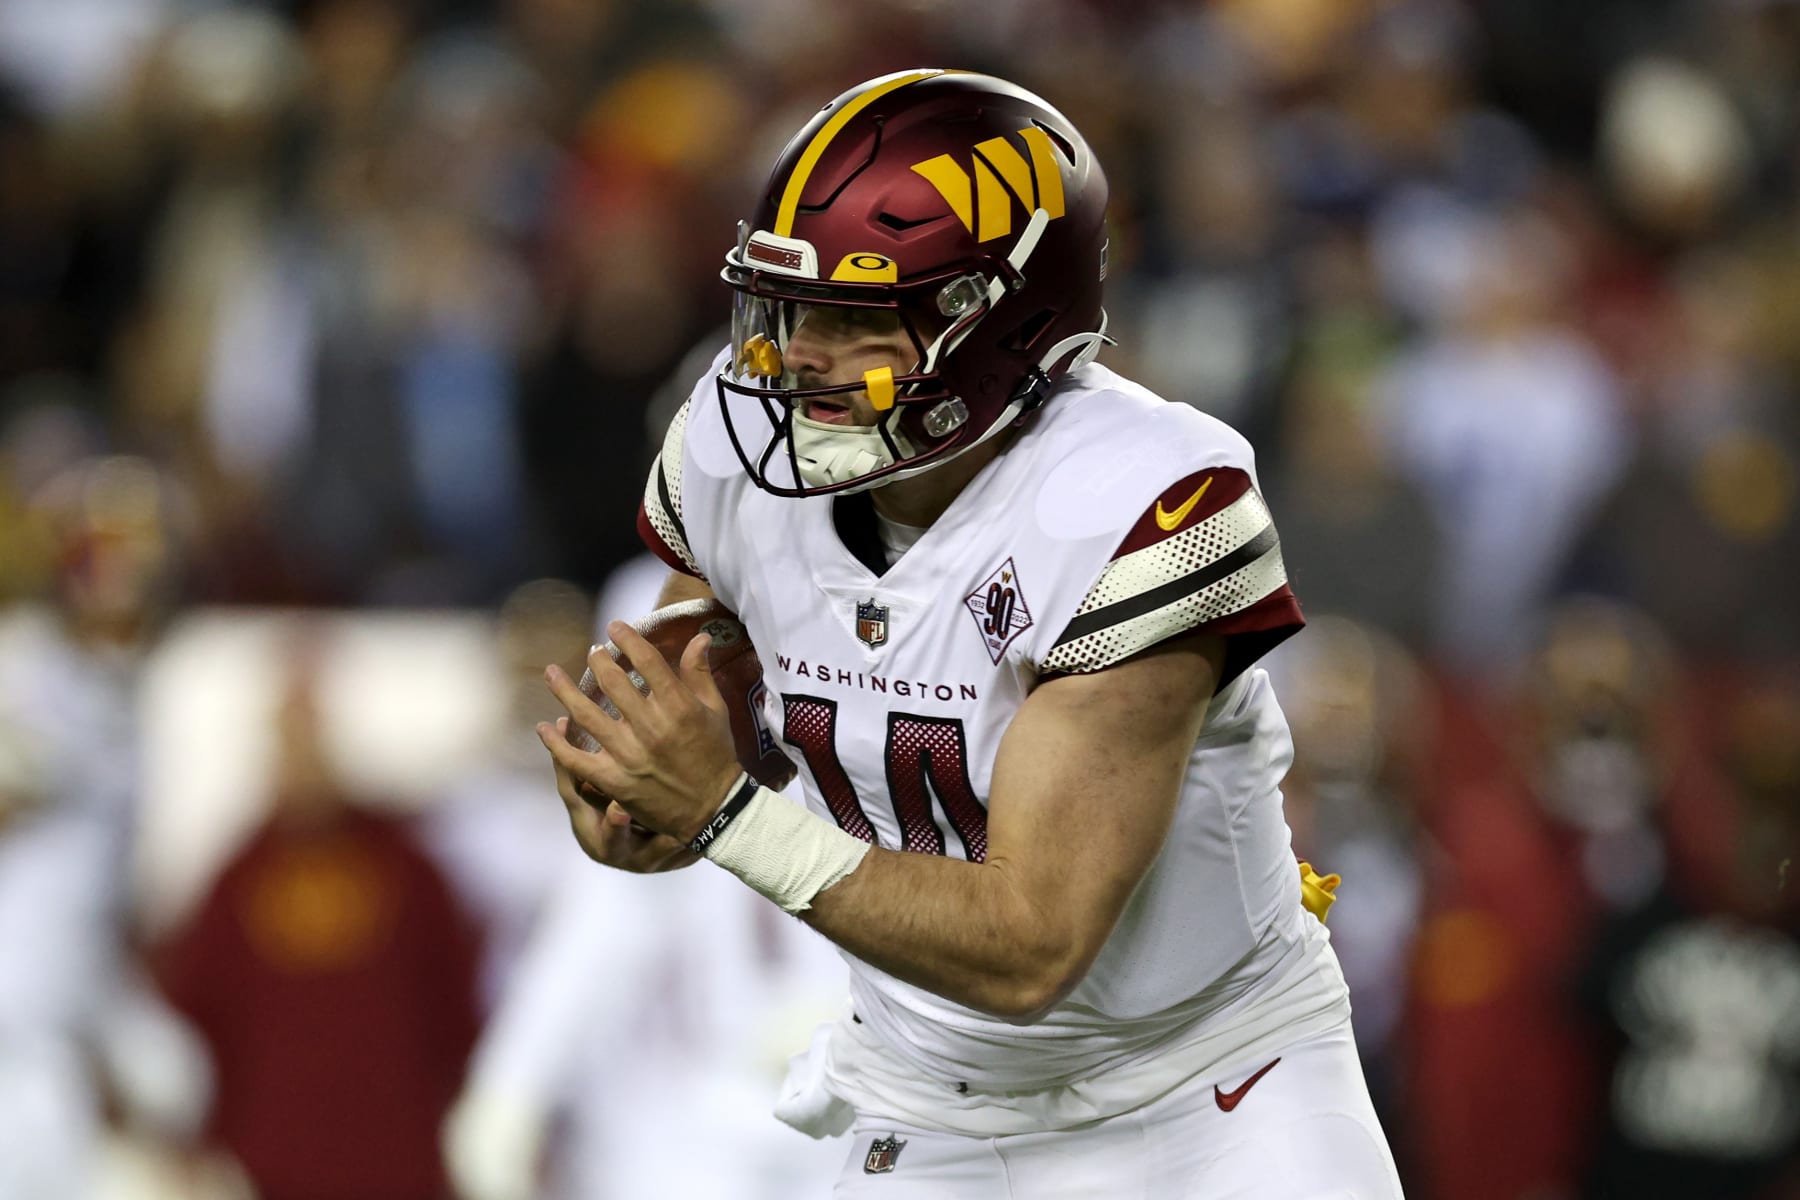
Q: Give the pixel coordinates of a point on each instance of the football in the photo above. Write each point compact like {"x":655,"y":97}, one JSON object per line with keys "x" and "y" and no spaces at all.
{"x":736,"y":672}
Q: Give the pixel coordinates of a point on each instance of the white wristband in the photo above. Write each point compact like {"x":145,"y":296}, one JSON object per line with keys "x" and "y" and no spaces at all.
{"x":785,"y":852}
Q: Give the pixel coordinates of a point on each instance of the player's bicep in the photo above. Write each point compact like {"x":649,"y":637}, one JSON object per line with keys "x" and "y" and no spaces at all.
{"x":1086,"y":782}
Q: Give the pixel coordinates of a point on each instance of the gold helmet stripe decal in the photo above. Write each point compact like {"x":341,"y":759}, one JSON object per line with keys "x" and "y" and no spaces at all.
{"x":952,"y":183}
{"x":1045,"y":170}
{"x":790,"y":196}
{"x":999,"y":153}
{"x":981,"y":202}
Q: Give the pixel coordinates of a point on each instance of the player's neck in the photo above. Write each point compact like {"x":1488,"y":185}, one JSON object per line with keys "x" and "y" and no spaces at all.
{"x":921,"y":500}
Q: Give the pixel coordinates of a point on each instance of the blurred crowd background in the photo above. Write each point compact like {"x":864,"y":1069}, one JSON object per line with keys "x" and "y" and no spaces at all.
{"x":365,"y":311}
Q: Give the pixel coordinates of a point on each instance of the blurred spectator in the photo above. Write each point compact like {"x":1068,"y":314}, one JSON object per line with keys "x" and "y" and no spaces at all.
{"x":1511,"y":426}
{"x":1698,"y":992}
{"x":498,"y":832}
{"x":1674,"y":150}
{"x":1213,"y":309}
{"x":1703,"y":530}
{"x":627,"y":292}
{"x":1577,"y":806}
{"x":1359,"y":711}
{"x":70,"y":53}
{"x":106,"y":533}
{"x":1361,"y":538}
{"x":334,"y":979}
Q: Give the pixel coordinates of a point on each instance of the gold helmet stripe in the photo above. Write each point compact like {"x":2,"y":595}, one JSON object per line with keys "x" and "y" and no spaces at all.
{"x":790,"y":196}
{"x":952,"y":183}
{"x":1045,"y":170}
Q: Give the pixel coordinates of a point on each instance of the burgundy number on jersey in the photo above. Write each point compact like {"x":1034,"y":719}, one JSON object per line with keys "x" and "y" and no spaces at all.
{"x":924,"y":755}
{"x":934,"y":748}
{"x":811,"y":724}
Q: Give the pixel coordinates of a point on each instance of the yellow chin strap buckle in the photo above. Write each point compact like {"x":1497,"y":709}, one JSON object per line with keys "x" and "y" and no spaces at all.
{"x":760,"y":357}
{"x":879,"y":384}
{"x":1317,"y":892}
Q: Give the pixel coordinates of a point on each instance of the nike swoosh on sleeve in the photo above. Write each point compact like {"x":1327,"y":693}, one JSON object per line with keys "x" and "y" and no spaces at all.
{"x":1167,"y":521}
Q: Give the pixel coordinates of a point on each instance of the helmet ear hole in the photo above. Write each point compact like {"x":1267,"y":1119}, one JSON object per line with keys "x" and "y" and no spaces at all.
{"x":900,"y":224}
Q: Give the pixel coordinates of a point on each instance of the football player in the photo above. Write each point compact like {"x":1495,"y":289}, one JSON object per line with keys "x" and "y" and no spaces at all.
{"x":1009,"y":606}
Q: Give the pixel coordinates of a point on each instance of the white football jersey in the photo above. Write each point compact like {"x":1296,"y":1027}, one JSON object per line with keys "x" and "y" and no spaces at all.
{"x":1113,"y":521}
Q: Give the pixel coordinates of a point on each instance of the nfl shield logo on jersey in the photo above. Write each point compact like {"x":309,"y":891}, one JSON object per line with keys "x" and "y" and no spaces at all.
{"x":765,"y":738}
{"x":883,"y":1152}
{"x":871,"y":623}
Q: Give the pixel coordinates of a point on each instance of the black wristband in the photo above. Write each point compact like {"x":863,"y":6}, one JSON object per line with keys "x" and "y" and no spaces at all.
{"x":741,"y":795}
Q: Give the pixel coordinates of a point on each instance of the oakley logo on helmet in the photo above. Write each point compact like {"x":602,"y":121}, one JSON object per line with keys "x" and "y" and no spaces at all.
{"x":866,"y":267}
{"x":999,"y":169}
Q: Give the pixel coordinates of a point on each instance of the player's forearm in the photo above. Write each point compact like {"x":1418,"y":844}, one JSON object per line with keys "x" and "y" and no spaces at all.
{"x":964,"y":931}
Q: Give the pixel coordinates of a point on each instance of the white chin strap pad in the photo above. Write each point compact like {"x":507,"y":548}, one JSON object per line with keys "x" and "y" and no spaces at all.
{"x":835,"y":454}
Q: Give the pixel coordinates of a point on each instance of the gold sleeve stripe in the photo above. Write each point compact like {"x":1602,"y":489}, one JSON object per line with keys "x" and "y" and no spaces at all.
{"x":796,"y":184}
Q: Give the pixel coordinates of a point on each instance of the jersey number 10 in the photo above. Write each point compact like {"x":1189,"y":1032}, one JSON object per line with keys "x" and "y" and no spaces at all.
{"x":925,"y":756}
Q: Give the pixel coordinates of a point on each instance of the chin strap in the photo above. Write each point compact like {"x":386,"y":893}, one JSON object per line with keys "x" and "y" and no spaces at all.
{"x":1089,"y":344}
{"x":1021,"y":251}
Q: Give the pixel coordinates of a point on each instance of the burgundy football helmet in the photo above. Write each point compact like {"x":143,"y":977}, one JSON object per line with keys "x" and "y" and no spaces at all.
{"x":965,"y":205}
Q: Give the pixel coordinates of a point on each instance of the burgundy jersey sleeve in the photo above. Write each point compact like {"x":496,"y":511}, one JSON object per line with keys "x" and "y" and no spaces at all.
{"x":659,"y":516}
{"x":1203,"y":557}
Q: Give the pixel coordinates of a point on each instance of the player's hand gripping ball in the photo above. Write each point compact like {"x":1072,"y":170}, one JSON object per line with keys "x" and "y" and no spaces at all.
{"x":736,"y":672}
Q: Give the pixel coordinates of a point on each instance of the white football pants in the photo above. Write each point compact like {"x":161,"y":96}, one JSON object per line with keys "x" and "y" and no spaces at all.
{"x":1304,"y":1130}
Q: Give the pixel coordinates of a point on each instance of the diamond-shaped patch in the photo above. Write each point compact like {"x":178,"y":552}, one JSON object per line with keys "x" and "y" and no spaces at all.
{"x":999,"y":609}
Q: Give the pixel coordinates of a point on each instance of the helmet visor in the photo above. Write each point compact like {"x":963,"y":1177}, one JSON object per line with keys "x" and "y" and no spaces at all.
{"x":764,"y":330}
